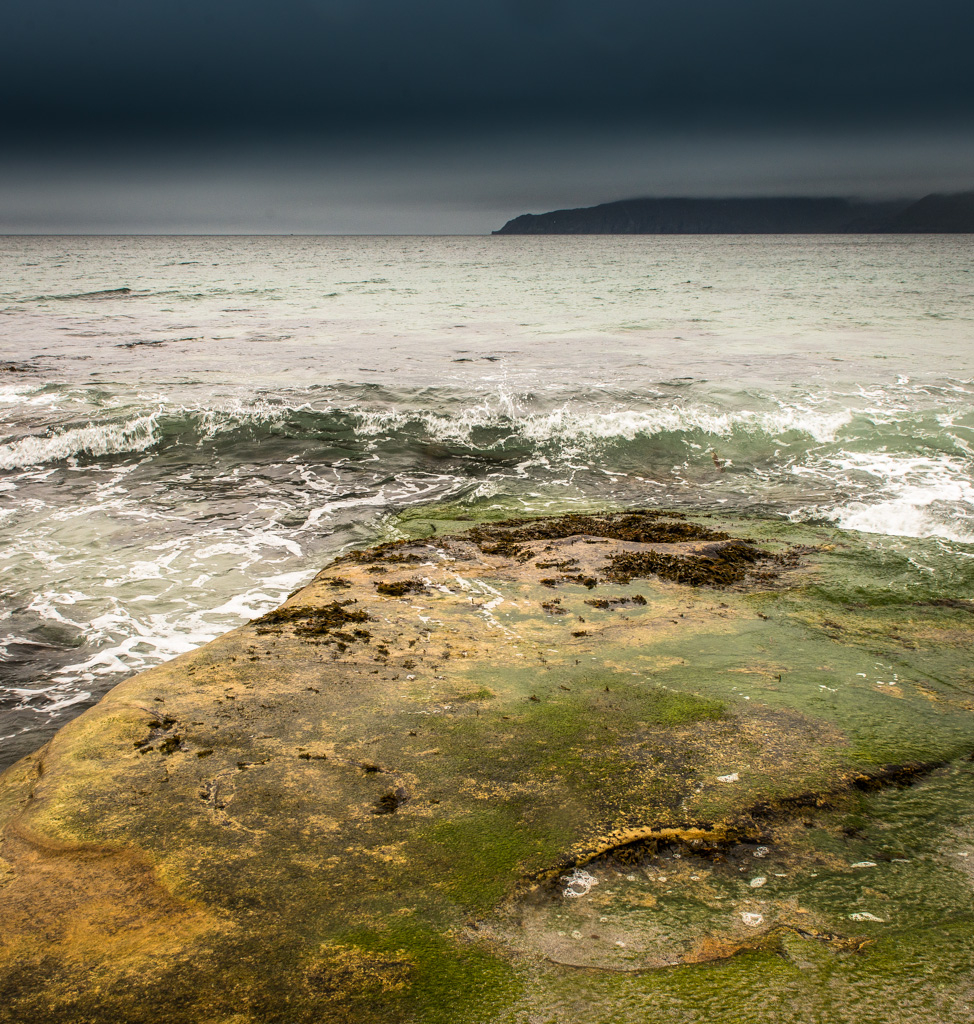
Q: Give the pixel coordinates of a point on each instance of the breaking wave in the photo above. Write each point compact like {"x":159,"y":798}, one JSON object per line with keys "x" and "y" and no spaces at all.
{"x":90,"y":440}
{"x":485,"y":428}
{"x":885,"y":468}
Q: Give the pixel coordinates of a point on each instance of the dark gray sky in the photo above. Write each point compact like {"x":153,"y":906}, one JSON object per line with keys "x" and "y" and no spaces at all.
{"x":443,"y":115}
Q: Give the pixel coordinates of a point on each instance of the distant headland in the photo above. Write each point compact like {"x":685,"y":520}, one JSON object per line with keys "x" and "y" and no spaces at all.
{"x":935,"y":213}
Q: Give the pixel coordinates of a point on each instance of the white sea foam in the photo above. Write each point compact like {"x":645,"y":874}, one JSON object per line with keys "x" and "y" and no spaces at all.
{"x":27,"y":395}
{"x":76,"y":697}
{"x":94,"y":439}
{"x":899,"y":495}
{"x":48,"y":699}
{"x":578,"y":425}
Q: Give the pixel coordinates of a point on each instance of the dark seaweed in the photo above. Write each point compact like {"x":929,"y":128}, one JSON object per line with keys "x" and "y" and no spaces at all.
{"x":644,"y":527}
{"x":317,"y":621}
{"x":613,"y":602}
{"x":715,"y":566}
{"x":401,"y":587}
{"x":586,"y":581}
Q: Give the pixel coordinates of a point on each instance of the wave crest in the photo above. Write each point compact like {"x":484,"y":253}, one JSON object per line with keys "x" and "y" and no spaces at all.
{"x":484,"y":426}
{"x":93,"y":439}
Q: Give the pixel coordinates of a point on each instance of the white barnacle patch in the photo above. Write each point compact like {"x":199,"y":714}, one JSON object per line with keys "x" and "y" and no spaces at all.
{"x":578,"y":883}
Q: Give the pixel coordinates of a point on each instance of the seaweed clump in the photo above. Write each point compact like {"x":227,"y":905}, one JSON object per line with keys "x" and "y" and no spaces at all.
{"x":614,"y":602}
{"x":564,"y":564}
{"x":585,"y":581}
{"x":642,"y":527}
{"x":338,"y":582}
{"x":390,"y":801}
{"x":716,"y":566}
{"x":401,"y":588}
{"x":319,"y":622}
{"x":161,"y":730}
{"x":391,"y":551}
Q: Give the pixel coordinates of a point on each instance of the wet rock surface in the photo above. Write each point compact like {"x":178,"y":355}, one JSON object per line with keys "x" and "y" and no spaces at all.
{"x":579,"y":768}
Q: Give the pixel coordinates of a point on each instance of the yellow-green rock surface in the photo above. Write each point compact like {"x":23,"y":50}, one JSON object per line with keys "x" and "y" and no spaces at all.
{"x":599,"y":768}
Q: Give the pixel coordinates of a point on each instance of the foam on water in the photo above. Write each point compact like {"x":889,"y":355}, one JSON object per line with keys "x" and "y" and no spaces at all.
{"x":92,"y":440}
{"x":577,"y":424}
{"x":900,"y":495}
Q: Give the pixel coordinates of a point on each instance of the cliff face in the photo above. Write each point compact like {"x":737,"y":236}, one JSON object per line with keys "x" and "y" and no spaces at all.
{"x":752,"y":216}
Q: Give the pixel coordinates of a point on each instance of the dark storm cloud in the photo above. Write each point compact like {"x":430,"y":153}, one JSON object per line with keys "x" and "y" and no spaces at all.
{"x":330,"y":65}
{"x":454,"y":115}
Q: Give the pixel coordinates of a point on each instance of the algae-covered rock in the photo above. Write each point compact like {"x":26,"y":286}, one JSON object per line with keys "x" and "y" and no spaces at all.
{"x":512,"y":773}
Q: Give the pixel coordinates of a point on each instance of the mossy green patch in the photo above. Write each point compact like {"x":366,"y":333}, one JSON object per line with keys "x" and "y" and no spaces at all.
{"x":482,"y":694}
{"x":451,"y":978}
{"x":480,"y":856}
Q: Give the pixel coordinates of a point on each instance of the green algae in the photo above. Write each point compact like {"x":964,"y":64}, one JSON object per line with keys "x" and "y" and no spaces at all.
{"x":452,"y":980}
{"x":914,"y":965}
{"x":901,"y":979}
{"x":482,"y":694}
{"x":480,"y":856}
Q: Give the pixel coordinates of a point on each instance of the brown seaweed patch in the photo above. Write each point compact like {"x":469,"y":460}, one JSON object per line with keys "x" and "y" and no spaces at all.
{"x":615,"y":602}
{"x":391,"y":552}
{"x":715,"y":566}
{"x":642,"y":527}
{"x":507,"y":548}
{"x":554,"y":563}
{"x":400,"y":588}
{"x":390,"y":801}
{"x":585,"y":581}
{"x":324,"y":621}
{"x":163,"y":730}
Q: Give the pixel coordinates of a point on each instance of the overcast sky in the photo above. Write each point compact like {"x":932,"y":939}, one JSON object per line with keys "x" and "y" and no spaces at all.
{"x":452,"y":116}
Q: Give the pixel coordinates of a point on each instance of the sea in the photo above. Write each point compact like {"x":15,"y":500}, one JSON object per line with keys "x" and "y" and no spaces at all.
{"x":190,"y":427}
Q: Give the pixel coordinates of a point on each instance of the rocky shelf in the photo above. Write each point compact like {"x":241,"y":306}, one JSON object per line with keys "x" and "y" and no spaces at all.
{"x":621,"y":766}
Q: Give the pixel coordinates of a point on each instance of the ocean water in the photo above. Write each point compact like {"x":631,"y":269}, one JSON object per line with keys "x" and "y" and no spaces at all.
{"x":191,"y":427}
